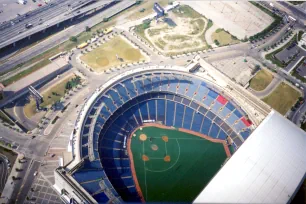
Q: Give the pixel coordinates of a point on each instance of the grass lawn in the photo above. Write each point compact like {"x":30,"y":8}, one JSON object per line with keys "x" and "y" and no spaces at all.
{"x":261,"y":80}
{"x":104,"y":56}
{"x":224,"y":38}
{"x":49,"y":98}
{"x":282,"y":98}
{"x":175,"y":169}
{"x":145,"y":8}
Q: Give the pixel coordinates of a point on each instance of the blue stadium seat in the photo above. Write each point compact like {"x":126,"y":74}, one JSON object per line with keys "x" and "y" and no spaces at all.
{"x":84,"y":152}
{"x":105,"y":112}
{"x":208,"y":101}
{"x":222,"y":135}
{"x":202,"y":91}
{"x":155,"y":83}
{"x":183,"y":84}
{"x":188,"y":118}
{"x":161,"y":110}
{"x":214,"y":130}
{"x":135,"y":111}
{"x":216,"y":107}
{"x":238,"y":114}
{"x":152,"y":109}
{"x":206,"y":126}
{"x":147,"y":84}
{"x":239,"y":126}
{"x":170,"y":113}
{"x":213,"y":94}
{"x":231,"y":119}
{"x":197,"y":122}
{"x":143,"y":108}
{"x":179,"y":114}
{"x":139,"y":86}
{"x":164,"y":84}
{"x":89,"y":175}
{"x":91,"y":186}
{"x":224,"y":112}
{"x":130,"y":88}
{"x":245,"y":134}
{"x":115,"y":96}
{"x":101,"y":197}
{"x":109,"y":104}
{"x":230,"y":106}
{"x":192,"y":89}
{"x":210,"y":115}
{"x":122,"y":92}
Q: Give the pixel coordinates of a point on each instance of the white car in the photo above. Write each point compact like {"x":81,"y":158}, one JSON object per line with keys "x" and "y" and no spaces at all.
{"x":35,"y":173}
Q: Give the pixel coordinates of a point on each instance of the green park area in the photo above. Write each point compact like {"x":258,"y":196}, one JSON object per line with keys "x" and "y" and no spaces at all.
{"x":282,"y":98}
{"x":174,"y":166}
{"x":114,"y":52}
{"x":52,"y":95}
{"x":223,"y":38}
{"x":261,"y":80}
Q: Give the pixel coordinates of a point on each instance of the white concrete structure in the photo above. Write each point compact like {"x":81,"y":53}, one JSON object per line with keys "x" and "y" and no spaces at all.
{"x":268,"y":167}
{"x":302,"y":42}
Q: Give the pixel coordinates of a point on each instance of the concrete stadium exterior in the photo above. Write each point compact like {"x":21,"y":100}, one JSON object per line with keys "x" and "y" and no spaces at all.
{"x":65,"y":179}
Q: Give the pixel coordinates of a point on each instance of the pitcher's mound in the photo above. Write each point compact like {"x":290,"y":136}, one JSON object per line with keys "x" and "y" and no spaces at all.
{"x":145,"y":158}
{"x":154,"y":147}
{"x":167,"y":158}
{"x":143,"y":137}
{"x":102,"y":61}
{"x":165,"y":138}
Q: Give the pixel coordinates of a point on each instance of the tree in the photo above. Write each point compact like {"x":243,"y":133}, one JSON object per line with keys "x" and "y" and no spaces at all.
{"x":216,"y":42}
{"x":105,"y":19}
{"x":73,"y":39}
{"x":87,"y":28}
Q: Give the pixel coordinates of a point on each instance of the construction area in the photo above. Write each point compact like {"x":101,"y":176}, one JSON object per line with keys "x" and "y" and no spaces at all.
{"x":182,"y":30}
{"x":240,"y":18}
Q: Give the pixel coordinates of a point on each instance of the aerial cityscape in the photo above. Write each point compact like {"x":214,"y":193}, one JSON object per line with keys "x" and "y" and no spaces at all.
{"x":114,"y":101}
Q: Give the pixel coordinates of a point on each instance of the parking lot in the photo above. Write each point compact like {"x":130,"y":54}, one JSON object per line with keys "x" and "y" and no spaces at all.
{"x":287,"y":53}
{"x":10,"y":9}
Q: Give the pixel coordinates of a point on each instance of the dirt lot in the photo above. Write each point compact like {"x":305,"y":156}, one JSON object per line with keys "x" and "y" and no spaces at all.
{"x":181,"y":31}
{"x":224,"y":38}
{"x":114,"y":52}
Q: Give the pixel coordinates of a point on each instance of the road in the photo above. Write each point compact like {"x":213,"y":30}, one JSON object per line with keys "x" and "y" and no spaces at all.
{"x":40,"y":19}
{"x":27,"y":181}
{"x":63,"y":36}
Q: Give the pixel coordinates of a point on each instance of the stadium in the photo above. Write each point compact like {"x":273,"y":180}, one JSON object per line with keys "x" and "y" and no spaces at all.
{"x":163,"y":134}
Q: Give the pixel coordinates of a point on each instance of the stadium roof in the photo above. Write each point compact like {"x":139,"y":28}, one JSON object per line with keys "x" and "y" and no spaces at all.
{"x":267,"y":168}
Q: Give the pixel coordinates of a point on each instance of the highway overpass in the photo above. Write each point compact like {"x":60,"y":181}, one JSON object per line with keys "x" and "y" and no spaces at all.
{"x":45,"y":17}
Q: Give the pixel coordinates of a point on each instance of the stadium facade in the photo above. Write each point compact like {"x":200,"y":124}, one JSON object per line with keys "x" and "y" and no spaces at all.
{"x":205,"y":101}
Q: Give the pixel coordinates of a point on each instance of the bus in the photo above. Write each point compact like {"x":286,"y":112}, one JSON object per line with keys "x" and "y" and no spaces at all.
{"x":81,"y":46}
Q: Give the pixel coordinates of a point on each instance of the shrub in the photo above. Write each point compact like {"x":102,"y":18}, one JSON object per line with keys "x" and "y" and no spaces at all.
{"x":73,"y":39}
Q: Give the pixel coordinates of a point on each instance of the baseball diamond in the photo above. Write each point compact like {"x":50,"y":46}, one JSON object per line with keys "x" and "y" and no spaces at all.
{"x":188,"y":159}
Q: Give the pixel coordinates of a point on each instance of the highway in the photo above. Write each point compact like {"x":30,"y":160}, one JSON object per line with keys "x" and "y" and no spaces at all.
{"x":43,"y":18}
{"x":63,"y":36}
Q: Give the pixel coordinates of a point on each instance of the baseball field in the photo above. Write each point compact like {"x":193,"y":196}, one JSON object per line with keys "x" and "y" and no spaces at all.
{"x":173,"y":165}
